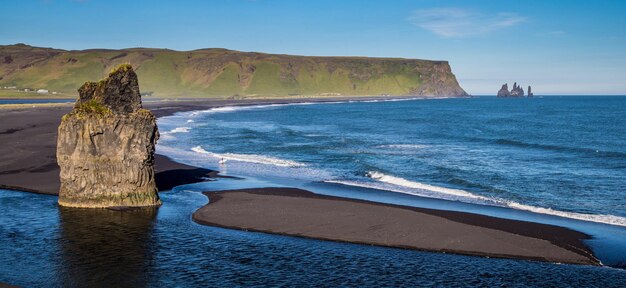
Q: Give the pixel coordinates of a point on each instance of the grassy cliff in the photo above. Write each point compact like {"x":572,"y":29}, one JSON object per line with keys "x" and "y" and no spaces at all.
{"x":221,"y":73}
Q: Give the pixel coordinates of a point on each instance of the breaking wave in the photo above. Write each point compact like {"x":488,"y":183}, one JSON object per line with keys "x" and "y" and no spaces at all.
{"x":228,"y":109}
{"x":180,"y":130}
{"x":416,"y":185}
{"x":401,"y":185}
{"x":250,"y":158}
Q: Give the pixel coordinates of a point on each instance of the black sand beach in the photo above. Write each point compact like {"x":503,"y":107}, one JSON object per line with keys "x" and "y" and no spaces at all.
{"x":28,"y":163}
{"x":28,"y":154}
{"x":301,"y":213}
{"x":28,"y":135}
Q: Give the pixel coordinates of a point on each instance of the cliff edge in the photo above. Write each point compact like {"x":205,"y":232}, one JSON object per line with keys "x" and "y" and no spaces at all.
{"x":221,"y":74}
{"x":105,"y":146}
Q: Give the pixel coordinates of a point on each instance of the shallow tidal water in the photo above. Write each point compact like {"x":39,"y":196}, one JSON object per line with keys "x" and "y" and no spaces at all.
{"x":44,"y":245}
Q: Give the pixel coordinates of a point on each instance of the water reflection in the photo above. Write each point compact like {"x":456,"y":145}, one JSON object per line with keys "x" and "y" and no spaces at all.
{"x":43,"y":245}
{"x":106,"y":246}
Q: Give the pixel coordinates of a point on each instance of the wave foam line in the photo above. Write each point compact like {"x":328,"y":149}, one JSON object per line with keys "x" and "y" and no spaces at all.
{"x":167,"y":135}
{"x":250,"y":158}
{"x":401,"y":185}
{"x":416,"y":185}
{"x":227,"y":109}
{"x":180,"y":130}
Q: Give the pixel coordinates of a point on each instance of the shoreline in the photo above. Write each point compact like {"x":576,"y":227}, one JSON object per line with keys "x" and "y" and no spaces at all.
{"x":301,"y":213}
{"x":38,"y":125}
{"x":29,"y":132}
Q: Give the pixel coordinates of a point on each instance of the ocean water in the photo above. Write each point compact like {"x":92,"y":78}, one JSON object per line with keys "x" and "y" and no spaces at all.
{"x":551,"y":160}
{"x":43,"y":245}
{"x":562,"y":156}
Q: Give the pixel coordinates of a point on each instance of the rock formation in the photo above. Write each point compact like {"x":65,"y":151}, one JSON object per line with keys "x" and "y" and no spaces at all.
{"x":517,"y":91}
{"x":530,"y":92}
{"x":504,"y":91}
{"x":105,"y":146}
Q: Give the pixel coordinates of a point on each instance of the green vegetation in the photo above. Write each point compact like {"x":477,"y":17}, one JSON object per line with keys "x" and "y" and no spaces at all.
{"x":122,"y":67}
{"x":91,"y":107}
{"x":220,"y":73}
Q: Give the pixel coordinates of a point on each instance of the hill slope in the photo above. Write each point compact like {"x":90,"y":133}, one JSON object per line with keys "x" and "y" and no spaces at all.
{"x":224,"y":73}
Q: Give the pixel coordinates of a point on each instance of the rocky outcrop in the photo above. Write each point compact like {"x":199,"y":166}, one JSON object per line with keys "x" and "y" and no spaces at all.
{"x":105,"y":146}
{"x":530,"y":92}
{"x":517,"y":91}
{"x":440,"y":83}
{"x":504,"y":91}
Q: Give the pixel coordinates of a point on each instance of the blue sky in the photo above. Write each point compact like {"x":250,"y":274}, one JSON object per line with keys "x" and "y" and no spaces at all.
{"x":559,"y":47}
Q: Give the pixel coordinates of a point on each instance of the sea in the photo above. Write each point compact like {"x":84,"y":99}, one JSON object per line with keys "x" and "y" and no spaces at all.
{"x":558,"y":160}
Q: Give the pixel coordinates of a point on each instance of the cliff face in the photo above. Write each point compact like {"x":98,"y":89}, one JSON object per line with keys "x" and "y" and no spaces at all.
{"x":441,"y":82}
{"x":106,"y":146}
{"x":220,"y":73}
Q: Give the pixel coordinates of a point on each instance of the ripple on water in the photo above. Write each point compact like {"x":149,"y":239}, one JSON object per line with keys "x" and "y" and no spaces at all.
{"x":48,"y":246}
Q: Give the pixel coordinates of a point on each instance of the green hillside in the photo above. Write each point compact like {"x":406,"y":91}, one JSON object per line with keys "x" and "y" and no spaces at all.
{"x":221,"y":73}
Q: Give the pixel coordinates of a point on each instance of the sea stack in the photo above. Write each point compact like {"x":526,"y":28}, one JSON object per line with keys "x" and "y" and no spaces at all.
{"x":504,"y":91}
{"x":517,"y":91}
{"x":105,"y":146}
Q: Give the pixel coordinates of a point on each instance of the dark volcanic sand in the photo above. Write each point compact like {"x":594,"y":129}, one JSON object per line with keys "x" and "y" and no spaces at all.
{"x":28,"y":153}
{"x":296,"y":212}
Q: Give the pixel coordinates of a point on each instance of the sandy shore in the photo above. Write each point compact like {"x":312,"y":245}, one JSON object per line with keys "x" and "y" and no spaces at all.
{"x":295,"y":212}
{"x":28,"y":134}
{"x":28,"y":163}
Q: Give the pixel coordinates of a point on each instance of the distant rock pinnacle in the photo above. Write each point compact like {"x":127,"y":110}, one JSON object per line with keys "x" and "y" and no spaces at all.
{"x":504,"y":91}
{"x":517,"y":91}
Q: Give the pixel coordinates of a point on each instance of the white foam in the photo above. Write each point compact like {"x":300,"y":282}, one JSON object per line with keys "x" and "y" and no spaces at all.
{"x":190,"y":121}
{"x":416,"y":185}
{"x":401,"y":185}
{"x":250,"y":158}
{"x":167,"y":135}
{"x":228,"y":109}
{"x":598,"y":218}
{"x":180,"y":130}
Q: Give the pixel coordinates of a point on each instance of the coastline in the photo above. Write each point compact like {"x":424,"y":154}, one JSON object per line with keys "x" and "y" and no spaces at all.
{"x":22,"y":167}
{"x":29,"y":132}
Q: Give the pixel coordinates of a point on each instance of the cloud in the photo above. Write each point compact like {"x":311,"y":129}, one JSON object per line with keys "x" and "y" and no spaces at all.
{"x":462,"y":23}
